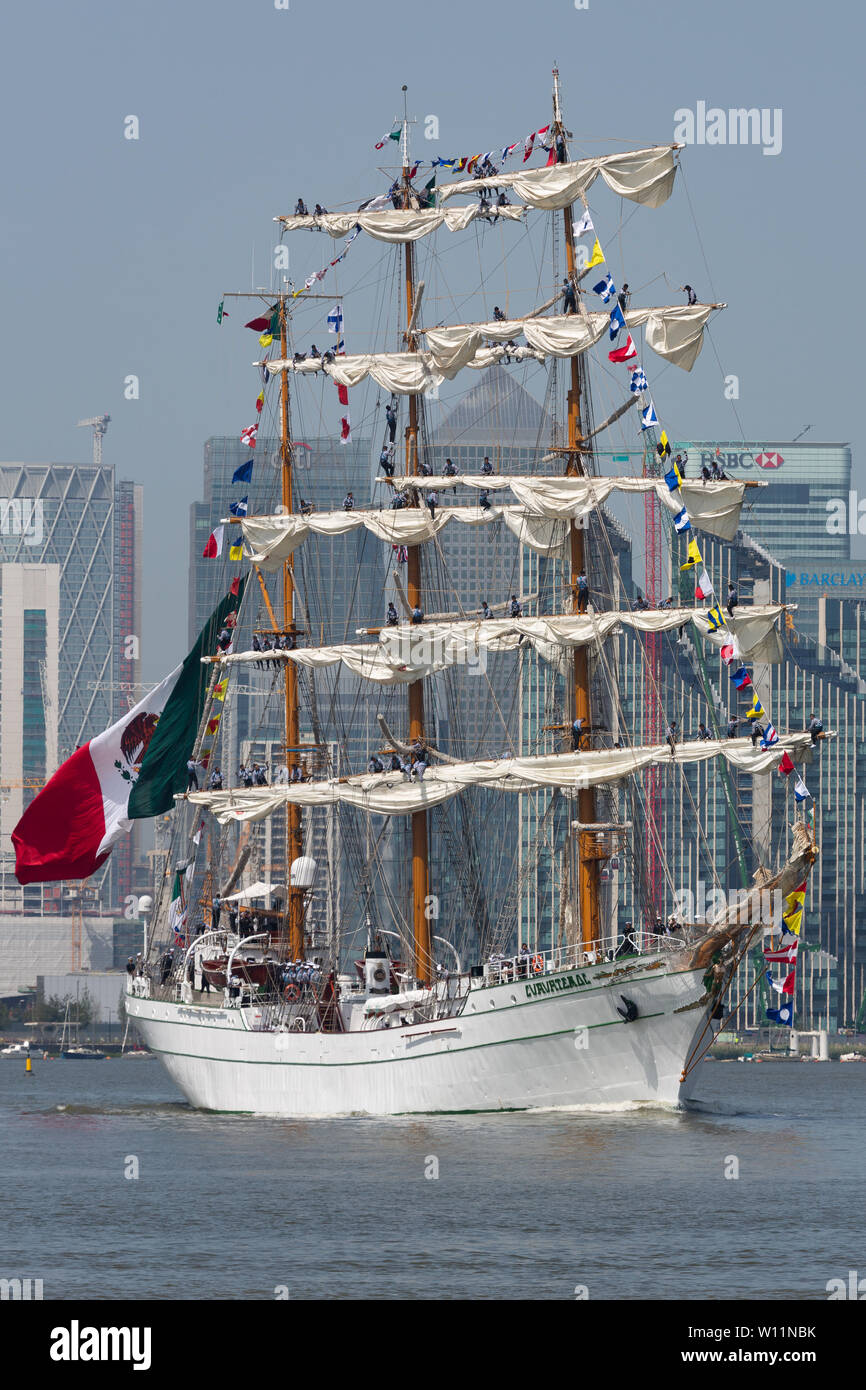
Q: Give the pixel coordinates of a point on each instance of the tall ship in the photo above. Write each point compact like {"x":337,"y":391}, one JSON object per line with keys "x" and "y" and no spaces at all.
{"x":439,"y":982}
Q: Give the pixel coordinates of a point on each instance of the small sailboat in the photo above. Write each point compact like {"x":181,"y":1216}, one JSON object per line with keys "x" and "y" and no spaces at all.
{"x":77,"y":1052}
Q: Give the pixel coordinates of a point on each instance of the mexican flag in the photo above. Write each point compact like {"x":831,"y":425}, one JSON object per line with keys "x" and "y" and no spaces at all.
{"x":130,"y":770}
{"x":178,"y":905}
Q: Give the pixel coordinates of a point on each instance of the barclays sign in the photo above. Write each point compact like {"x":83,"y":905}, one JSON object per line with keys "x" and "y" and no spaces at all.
{"x":825,"y":580}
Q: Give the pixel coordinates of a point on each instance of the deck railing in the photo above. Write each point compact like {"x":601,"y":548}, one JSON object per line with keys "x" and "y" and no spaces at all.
{"x":501,"y":969}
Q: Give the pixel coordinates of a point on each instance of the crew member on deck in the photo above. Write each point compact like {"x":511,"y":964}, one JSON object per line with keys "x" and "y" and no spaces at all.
{"x":626,"y":945}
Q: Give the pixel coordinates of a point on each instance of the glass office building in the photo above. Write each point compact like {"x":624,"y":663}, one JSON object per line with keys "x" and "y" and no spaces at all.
{"x":70,"y":570}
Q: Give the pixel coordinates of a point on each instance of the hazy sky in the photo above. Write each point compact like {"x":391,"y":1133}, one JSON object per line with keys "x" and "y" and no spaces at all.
{"x":115,"y":251}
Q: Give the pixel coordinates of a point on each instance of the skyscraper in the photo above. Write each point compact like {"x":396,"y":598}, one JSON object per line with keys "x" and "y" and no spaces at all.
{"x":795,"y":516}
{"x":70,"y":608}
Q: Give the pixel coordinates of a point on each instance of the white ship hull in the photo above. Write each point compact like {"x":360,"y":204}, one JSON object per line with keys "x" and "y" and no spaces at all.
{"x":554,"y":1041}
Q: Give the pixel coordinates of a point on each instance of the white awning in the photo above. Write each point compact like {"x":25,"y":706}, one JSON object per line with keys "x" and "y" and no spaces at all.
{"x":255,"y":890}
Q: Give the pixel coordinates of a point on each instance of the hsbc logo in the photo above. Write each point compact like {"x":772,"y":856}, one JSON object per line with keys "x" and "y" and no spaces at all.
{"x":733,"y":460}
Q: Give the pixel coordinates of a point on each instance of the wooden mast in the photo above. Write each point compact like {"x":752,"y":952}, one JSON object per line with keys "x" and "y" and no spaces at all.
{"x":294,"y":841}
{"x":588,"y":856}
{"x":420,"y":835}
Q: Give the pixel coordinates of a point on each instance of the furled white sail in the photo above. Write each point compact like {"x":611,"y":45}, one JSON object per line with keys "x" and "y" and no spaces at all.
{"x":397,"y":225}
{"x":674,"y":331}
{"x":642,"y":176}
{"x":408,"y":653}
{"x":272,"y":539}
{"x":712,"y":507}
{"x":393,"y":794}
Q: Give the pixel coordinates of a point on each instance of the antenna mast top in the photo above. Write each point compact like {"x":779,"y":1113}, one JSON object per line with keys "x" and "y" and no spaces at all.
{"x":404,"y":139}
{"x":557,"y":113}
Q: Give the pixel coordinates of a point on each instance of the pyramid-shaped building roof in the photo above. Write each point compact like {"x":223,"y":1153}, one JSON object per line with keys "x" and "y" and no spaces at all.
{"x":497,"y":407}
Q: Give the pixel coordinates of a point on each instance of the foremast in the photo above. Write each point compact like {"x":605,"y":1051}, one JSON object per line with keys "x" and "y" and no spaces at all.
{"x":423,"y":958}
{"x":588,"y":849}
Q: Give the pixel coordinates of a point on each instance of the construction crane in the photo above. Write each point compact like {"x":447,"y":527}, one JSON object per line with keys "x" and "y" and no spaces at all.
{"x":99,"y":424}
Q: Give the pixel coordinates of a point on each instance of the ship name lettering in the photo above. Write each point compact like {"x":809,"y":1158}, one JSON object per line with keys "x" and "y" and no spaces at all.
{"x":551,"y":986}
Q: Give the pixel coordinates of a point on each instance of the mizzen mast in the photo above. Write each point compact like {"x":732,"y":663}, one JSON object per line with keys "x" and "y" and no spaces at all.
{"x":589,"y":850}
{"x":294,"y":838}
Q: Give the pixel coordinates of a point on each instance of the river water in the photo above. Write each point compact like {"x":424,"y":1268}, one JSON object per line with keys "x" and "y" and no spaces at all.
{"x":627,"y":1205}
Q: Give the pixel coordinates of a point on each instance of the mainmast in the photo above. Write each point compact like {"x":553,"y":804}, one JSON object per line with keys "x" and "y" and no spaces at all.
{"x":420,"y":834}
{"x":588,"y":850}
{"x":294,"y":842}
